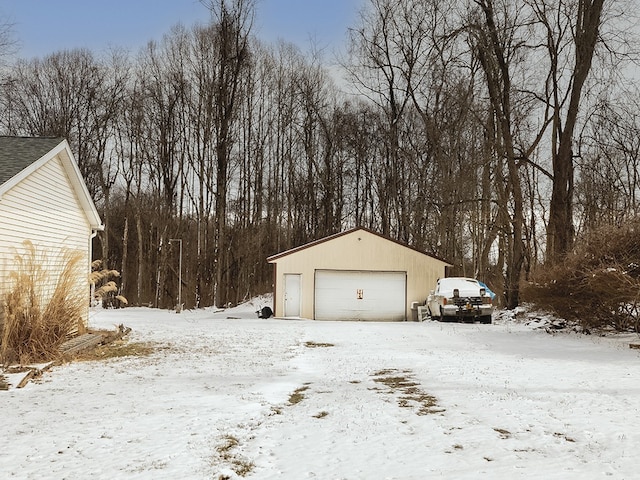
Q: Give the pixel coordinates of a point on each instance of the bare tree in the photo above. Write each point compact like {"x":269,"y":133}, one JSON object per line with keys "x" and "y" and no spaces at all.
{"x":7,"y":41}
{"x":377,"y":74}
{"x":234,"y":21}
{"x":608,"y":187}
{"x":575,"y":25}
{"x":493,"y":35}
{"x":7,"y":47}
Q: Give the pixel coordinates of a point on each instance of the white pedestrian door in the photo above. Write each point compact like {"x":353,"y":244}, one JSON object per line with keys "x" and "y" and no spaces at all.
{"x":291,"y":295}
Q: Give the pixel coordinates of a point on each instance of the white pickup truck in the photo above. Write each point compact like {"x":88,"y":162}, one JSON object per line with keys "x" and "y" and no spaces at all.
{"x":460,"y":298}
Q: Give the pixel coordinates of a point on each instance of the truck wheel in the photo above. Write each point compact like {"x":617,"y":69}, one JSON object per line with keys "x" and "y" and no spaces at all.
{"x":446,"y":318}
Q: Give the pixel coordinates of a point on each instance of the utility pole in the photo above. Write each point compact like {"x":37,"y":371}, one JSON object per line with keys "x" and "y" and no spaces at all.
{"x":179,"y":307}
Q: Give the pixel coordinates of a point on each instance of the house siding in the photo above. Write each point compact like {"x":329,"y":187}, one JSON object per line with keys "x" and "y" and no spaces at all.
{"x":359,"y":250}
{"x":44,"y":209}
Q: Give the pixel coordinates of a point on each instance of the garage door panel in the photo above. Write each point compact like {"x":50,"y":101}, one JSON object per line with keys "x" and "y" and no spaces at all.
{"x":360,"y":295}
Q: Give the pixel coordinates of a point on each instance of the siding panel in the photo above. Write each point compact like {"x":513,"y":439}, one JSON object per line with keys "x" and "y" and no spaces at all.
{"x":43,"y":209}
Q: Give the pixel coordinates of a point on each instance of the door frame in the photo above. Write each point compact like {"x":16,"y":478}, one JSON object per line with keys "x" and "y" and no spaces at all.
{"x":292,"y":289}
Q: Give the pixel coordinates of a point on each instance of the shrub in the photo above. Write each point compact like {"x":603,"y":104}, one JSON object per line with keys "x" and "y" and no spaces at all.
{"x":41,"y":312}
{"x":598,"y":283}
{"x":104,"y":288}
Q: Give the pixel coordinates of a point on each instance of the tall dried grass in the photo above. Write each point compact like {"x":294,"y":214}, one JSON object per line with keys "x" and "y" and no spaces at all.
{"x":41,"y":312}
{"x":105,"y":290}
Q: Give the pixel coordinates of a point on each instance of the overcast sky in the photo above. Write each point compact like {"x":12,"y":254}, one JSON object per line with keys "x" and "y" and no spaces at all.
{"x":45,"y":26}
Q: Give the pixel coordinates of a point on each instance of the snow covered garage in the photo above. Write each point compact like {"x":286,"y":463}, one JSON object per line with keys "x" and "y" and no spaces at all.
{"x":353,"y":275}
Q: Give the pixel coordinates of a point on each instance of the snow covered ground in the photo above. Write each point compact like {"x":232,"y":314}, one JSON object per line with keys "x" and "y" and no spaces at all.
{"x":296,"y":399}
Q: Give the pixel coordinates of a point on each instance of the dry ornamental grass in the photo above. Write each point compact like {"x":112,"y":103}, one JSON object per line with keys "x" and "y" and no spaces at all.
{"x":41,"y":312}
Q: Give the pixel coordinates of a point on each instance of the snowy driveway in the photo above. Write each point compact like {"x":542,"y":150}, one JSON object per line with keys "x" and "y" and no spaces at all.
{"x":216,"y":399}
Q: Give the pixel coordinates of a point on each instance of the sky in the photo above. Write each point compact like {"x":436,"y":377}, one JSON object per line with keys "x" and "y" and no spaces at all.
{"x":42,"y":27}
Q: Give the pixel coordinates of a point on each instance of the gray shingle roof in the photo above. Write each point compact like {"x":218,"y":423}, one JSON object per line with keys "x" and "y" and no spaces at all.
{"x":17,"y":153}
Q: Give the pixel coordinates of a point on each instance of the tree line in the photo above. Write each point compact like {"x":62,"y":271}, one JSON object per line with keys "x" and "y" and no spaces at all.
{"x":489,"y":133}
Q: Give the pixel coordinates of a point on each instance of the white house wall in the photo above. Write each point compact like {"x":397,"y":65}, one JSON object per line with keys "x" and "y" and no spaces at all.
{"x":44,"y":209}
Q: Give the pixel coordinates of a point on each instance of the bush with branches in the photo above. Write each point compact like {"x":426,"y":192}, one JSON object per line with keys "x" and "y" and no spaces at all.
{"x":598,"y":283}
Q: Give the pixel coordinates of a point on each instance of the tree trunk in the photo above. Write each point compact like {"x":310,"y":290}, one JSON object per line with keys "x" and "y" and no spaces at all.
{"x":561,"y":229}
{"x":141,"y":261}
{"x":125,"y":254}
{"x":494,"y":58}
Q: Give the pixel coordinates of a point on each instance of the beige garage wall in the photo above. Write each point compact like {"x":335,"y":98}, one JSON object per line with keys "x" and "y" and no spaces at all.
{"x":357,"y":249}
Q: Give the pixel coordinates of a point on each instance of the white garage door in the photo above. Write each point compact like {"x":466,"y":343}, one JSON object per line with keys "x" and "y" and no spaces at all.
{"x":360,"y":295}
